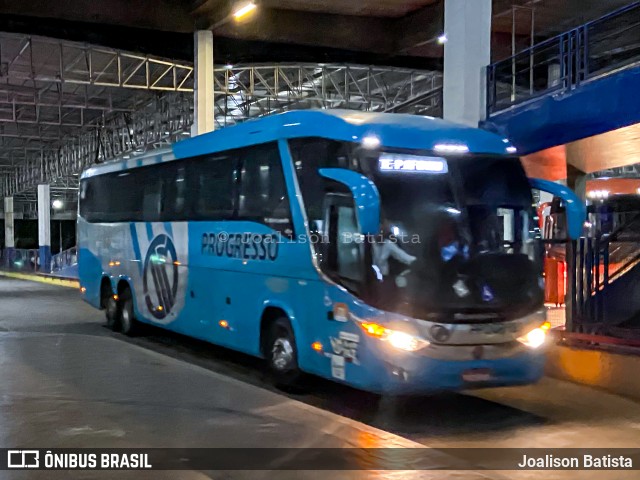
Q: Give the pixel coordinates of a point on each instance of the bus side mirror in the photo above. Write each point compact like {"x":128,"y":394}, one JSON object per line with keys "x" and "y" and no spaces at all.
{"x":576,"y":210}
{"x":365,"y":195}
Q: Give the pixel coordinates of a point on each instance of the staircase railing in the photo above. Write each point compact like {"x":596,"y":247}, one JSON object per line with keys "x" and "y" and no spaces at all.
{"x":600,"y":262}
{"x":562,"y":63}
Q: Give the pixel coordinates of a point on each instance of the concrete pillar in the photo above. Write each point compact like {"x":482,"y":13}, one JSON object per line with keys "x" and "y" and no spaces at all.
{"x":204,"y":109}
{"x":9,"y":238}
{"x":467,"y":25}
{"x":44,"y":227}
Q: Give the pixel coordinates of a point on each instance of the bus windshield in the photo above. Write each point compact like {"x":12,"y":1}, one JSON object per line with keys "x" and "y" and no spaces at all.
{"x":457,"y":234}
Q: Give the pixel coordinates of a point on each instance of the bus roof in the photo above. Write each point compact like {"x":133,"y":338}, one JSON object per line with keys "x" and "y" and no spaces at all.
{"x":393,"y":130}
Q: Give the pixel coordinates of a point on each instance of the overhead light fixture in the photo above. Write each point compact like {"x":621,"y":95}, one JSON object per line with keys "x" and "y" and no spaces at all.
{"x":370,"y":142}
{"x":442,"y":39}
{"x":245,"y":10}
{"x":512,"y":149}
{"x":451,"y":148}
{"x":57,"y":204}
{"x":228,"y":66}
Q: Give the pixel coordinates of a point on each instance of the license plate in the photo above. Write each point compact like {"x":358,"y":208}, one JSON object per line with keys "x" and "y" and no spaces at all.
{"x":477,"y":375}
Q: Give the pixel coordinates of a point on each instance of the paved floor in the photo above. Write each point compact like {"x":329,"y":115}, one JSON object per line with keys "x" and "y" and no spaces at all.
{"x":66,"y":381}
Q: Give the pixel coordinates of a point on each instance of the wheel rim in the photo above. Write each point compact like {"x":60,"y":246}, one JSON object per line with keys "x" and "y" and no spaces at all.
{"x":282,"y":354}
{"x":126,"y":319}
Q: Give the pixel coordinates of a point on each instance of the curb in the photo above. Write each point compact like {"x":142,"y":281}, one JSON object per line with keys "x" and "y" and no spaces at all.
{"x":60,"y":282}
{"x":614,"y":372}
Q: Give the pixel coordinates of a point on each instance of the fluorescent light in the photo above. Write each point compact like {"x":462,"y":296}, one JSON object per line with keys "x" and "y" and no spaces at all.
{"x":370,"y":142}
{"x":57,"y":204}
{"x":442,"y":39}
{"x":228,"y":66}
{"x":451,"y":148}
{"x":395,"y":162}
{"x":244,"y":11}
{"x":599,"y":194}
{"x":512,"y":149}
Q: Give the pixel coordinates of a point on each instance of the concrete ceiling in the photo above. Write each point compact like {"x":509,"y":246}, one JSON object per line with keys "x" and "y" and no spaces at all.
{"x":385,"y":29}
{"x":368,"y":8}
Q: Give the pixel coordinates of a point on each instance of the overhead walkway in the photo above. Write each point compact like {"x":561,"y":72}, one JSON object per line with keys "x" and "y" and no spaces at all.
{"x":579,"y":84}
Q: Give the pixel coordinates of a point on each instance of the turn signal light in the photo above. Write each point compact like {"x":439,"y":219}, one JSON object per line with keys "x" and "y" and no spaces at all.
{"x":374,"y":329}
{"x":317,"y":346}
{"x":223,"y":324}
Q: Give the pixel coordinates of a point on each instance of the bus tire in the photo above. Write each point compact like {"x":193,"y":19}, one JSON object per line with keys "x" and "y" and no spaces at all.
{"x":282,"y":354}
{"x":112,"y":309}
{"x":128,"y":323}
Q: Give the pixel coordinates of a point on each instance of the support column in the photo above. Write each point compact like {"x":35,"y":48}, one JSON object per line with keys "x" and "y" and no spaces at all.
{"x":467,"y":25}
{"x":9,"y":239}
{"x":44,"y":227}
{"x":204,"y":108}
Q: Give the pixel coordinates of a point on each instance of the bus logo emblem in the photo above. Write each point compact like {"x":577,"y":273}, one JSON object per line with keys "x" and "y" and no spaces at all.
{"x":440,"y":333}
{"x":160,"y":277}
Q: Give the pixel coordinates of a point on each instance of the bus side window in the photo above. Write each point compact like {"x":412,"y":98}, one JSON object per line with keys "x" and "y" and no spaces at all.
{"x":309,"y":155}
{"x":174,"y":194}
{"x":152,"y":191}
{"x":213,"y":187}
{"x":344,"y":250}
{"x":263,"y":192}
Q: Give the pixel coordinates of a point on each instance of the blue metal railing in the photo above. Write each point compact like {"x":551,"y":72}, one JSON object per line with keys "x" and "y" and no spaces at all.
{"x":28,"y":260}
{"x":65,"y":259}
{"x":20,"y":260}
{"x":562,"y":63}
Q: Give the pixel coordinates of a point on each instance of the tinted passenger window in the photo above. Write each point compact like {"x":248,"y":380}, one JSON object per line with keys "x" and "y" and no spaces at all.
{"x":210,"y":187}
{"x":263,"y":192}
{"x":309,"y":155}
{"x":214,"y":187}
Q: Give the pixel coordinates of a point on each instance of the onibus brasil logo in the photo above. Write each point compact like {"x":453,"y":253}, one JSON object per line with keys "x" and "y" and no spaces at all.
{"x":160,"y":276}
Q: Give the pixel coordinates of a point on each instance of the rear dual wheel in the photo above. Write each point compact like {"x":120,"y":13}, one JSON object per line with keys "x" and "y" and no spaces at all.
{"x":120,"y":314}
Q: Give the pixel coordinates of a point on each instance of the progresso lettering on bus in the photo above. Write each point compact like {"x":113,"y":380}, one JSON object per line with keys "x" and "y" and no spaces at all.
{"x":247,"y":246}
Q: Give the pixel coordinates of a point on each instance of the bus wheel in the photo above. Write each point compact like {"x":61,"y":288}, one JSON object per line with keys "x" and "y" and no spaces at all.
{"x":282,"y":354}
{"x":113,"y":311}
{"x":128,"y":323}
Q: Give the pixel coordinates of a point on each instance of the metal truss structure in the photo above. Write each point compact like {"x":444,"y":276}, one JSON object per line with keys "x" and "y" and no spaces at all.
{"x":66,"y":105}
{"x":255,"y":90}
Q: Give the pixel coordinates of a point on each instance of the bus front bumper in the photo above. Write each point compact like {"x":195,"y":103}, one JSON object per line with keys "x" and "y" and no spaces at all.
{"x":415,"y":374}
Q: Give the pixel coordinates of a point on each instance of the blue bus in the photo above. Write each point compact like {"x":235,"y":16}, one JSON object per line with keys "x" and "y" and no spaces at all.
{"x":394,"y":253}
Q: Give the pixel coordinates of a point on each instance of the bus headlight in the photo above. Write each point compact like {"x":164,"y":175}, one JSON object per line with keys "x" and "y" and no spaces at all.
{"x":536,"y":337}
{"x":396,"y":338}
